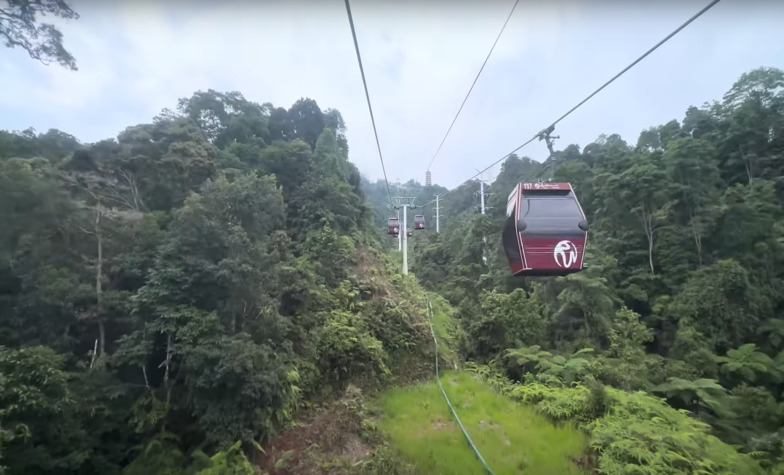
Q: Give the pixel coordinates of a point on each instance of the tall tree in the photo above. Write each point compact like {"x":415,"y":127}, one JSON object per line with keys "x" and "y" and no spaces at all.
{"x":19,"y":27}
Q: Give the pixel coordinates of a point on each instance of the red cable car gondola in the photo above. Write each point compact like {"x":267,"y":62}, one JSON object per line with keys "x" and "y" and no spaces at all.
{"x":545,"y":231}
{"x":393,"y":227}
{"x":419,"y":221}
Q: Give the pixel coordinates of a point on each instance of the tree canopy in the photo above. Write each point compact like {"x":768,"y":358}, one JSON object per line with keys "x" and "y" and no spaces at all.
{"x":178,"y":298}
{"x":186,"y":287}
{"x":681,"y":298}
{"x":20,"y":28}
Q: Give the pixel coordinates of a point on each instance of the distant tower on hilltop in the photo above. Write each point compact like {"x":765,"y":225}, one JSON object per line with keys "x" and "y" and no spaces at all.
{"x":428,"y":181}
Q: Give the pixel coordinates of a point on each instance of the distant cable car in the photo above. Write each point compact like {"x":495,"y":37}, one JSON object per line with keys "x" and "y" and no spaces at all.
{"x":419,"y":221}
{"x":545,"y":231}
{"x":393,"y":227}
{"x":409,"y":233}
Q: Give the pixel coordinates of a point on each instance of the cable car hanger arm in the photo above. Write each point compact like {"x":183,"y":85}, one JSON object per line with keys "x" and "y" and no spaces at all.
{"x":551,"y":127}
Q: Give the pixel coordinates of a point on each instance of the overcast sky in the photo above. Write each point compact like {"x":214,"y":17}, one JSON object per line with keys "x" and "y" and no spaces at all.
{"x":420,"y":58}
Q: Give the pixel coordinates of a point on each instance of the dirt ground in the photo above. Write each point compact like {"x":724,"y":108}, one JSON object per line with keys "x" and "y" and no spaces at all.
{"x":327,"y":441}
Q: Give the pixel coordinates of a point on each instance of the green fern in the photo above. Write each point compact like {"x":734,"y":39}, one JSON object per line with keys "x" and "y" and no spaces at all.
{"x":746,"y":361}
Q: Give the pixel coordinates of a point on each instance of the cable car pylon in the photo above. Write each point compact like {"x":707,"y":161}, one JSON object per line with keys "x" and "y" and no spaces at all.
{"x":482,"y":195}
{"x":405,"y":203}
{"x":438,"y":216}
{"x":399,"y":238}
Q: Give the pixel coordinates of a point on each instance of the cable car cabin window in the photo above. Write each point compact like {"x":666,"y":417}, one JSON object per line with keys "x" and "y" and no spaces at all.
{"x":509,"y":236}
{"x":511,"y":246}
{"x":511,"y":204}
{"x":551,"y":215}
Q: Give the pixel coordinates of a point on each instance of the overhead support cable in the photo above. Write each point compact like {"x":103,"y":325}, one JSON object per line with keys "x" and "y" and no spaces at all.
{"x":473,"y":84}
{"x":367,"y":96}
{"x":547,"y":130}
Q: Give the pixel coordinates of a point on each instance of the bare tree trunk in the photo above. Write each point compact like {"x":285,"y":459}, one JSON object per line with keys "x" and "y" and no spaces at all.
{"x":166,"y":376}
{"x":647,"y":222}
{"x":166,"y":373}
{"x":95,"y":352}
{"x":697,"y":241}
{"x":244,"y":314}
{"x":101,"y":337}
{"x":98,"y":284}
{"x":146,"y":379}
{"x":586,"y":324}
{"x":130,"y":178}
{"x":746,"y":164}
{"x":692,"y":228}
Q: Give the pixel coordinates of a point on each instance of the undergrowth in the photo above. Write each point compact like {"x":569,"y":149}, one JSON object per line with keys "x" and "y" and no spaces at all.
{"x":630,"y":432}
{"x":447,"y":330}
{"x":511,"y":437}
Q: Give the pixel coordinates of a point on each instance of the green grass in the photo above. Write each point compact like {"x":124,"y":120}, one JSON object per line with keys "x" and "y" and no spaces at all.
{"x":511,"y":437}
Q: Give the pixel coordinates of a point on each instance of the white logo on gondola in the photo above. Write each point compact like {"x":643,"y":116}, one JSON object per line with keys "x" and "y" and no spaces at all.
{"x":565,"y":254}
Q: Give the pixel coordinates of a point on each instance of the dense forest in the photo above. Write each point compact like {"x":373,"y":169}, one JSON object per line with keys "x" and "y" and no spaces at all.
{"x":214,"y":292}
{"x":186,"y":286}
{"x":681,"y":298}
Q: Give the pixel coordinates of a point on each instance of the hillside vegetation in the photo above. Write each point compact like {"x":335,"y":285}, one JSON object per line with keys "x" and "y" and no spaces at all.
{"x":511,"y":437}
{"x":187,"y":287}
{"x":670,"y":344}
{"x":213,"y":292}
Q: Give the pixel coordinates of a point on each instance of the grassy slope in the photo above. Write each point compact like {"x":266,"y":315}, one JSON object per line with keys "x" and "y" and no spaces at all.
{"x":511,"y":437}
